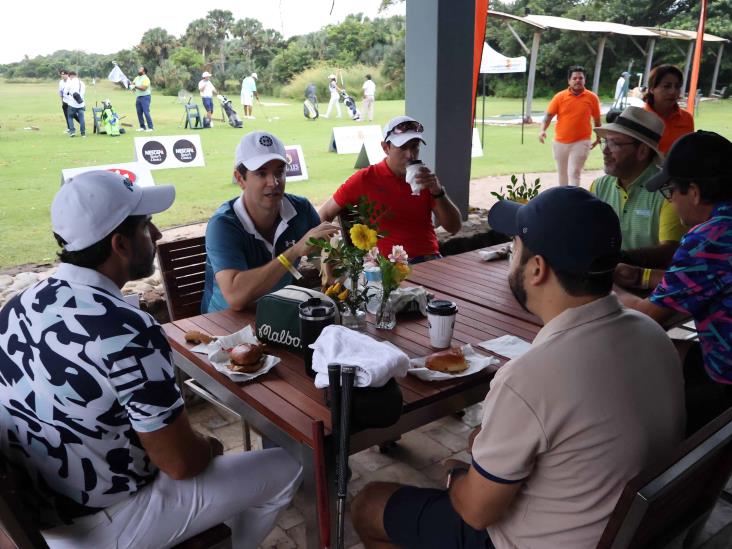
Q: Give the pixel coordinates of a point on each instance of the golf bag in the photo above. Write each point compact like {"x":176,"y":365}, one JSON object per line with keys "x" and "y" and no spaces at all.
{"x":350,"y":105}
{"x":310,"y":105}
{"x":111,"y":124}
{"x":234,"y":120}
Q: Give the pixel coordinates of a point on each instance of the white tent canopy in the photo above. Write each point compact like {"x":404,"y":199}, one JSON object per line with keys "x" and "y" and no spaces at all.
{"x":493,"y":62}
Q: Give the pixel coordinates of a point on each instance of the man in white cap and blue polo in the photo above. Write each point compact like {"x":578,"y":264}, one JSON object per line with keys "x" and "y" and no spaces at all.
{"x":408,"y":220}
{"x":651,"y":229}
{"x":90,"y":408}
{"x":254,"y":242}
{"x":207,"y":91}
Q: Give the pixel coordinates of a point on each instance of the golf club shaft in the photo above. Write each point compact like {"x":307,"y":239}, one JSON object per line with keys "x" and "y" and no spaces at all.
{"x":348,"y":374}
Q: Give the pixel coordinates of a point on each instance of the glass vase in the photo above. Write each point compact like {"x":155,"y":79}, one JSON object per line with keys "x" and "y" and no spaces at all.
{"x":355,"y":320}
{"x":385,"y":315}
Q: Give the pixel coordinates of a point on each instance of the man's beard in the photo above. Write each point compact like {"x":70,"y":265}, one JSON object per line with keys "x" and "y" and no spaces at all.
{"x":143,"y":266}
{"x":516,"y":283}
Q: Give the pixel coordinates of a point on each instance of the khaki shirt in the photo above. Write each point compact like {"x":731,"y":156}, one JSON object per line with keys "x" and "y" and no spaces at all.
{"x":597,"y":398}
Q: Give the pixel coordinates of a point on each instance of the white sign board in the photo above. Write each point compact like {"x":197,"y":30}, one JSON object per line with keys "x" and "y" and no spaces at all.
{"x":296,"y":170}
{"x":476,"y":149}
{"x":348,"y":139}
{"x":371,"y":153}
{"x":136,"y":172}
{"x":169,"y":151}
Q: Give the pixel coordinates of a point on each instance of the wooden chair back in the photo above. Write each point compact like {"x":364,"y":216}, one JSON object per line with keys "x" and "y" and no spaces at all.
{"x":183,"y":269}
{"x":677,"y":493}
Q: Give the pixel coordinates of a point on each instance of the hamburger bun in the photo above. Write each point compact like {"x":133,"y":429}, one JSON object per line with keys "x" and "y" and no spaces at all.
{"x":450,"y":361}
{"x":247,"y":358}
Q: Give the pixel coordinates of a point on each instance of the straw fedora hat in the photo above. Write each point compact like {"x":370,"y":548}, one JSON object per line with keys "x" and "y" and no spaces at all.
{"x":638,"y":123}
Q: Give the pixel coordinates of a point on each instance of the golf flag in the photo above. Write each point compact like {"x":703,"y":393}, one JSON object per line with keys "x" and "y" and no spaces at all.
{"x":118,"y":76}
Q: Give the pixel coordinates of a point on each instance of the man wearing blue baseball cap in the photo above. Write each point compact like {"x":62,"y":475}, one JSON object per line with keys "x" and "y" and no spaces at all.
{"x":565,"y":425}
{"x":697,"y":179}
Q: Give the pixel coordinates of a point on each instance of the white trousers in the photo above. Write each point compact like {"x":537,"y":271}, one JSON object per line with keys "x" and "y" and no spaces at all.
{"x":570,"y":159}
{"x":246,"y":490}
{"x":367,"y":107}
{"x":334,"y":101}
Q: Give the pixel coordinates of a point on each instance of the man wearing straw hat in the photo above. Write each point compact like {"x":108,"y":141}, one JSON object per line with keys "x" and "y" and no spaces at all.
{"x":651,"y":229}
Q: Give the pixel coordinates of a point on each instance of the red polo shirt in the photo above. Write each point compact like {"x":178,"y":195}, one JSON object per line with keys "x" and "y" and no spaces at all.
{"x":408,"y":218}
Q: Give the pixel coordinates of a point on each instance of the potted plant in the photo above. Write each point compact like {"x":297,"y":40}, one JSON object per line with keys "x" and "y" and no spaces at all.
{"x":518,"y":192}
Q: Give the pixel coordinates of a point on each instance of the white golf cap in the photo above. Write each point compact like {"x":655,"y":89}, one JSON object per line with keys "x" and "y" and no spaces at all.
{"x":398,"y":138}
{"x":89,"y":206}
{"x":254,"y":75}
{"x":331,"y":76}
{"x":257,"y":148}
{"x":206,"y":74}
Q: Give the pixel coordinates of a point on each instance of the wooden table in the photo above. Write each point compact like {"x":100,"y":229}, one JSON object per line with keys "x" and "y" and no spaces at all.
{"x":284,"y":404}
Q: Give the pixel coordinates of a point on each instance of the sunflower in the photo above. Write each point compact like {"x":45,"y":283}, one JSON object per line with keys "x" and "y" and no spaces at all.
{"x":363,"y":237}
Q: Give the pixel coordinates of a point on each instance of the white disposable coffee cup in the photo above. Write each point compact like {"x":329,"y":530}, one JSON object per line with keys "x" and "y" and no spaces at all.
{"x":412,"y":170}
{"x":441,"y":319}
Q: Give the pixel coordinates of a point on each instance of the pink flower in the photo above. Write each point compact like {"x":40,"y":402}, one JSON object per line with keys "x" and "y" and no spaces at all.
{"x":398,"y":255}
{"x":371,"y":259}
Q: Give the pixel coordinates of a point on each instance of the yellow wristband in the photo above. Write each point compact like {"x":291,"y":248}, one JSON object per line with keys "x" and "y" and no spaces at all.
{"x":646,"y":279}
{"x":287,"y":265}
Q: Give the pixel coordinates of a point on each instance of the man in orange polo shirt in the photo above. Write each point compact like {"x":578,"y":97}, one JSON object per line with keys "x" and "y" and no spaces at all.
{"x":575,"y":107}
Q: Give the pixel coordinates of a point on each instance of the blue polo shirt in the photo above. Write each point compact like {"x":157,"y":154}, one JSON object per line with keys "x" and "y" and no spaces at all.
{"x":233,"y":242}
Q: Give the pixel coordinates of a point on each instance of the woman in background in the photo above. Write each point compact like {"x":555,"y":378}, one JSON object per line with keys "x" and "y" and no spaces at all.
{"x":662,"y":98}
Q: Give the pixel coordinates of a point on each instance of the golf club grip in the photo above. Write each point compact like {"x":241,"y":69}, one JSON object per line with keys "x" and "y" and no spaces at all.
{"x":334,"y":388}
{"x":348,"y":374}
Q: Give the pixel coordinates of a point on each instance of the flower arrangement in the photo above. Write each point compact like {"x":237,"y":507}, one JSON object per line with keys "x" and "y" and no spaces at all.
{"x":519,"y":192}
{"x":394,"y":269}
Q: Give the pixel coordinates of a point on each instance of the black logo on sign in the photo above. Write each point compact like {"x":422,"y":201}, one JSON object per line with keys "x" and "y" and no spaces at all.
{"x":184,"y":150}
{"x":154,"y":152}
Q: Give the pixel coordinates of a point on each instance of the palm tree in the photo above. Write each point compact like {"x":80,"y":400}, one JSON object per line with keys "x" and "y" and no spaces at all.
{"x":221,"y":21}
{"x":200,"y":36}
{"x":155,"y":45}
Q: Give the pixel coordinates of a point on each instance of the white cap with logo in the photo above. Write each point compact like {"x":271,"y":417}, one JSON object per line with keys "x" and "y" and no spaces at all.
{"x":401,"y":129}
{"x":206,"y":74}
{"x":254,"y":75}
{"x":89,"y":206}
{"x":257,"y":148}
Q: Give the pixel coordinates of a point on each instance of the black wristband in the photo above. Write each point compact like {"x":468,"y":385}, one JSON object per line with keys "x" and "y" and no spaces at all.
{"x":440,"y":194}
{"x":453,"y":473}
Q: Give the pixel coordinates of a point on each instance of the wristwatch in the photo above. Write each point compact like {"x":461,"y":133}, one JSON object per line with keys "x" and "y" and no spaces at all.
{"x":439,"y":194}
{"x":453,"y":473}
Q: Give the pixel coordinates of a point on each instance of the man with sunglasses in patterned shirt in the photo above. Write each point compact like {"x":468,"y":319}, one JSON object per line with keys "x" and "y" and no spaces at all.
{"x":407,"y":220}
{"x":697,"y":180}
{"x":651,"y":229}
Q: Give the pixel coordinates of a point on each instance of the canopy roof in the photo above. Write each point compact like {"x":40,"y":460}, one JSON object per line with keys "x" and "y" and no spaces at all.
{"x":543,"y":22}
{"x":493,"y":62}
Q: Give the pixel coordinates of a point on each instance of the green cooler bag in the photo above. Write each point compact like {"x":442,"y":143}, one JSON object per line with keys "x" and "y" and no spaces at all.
{"x":278,"y":320}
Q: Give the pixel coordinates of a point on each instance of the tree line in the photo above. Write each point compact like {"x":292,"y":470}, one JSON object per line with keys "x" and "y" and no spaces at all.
{"x":232,"y":49}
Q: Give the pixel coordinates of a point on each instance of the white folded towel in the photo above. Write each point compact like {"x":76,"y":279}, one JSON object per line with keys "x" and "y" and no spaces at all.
{"x":376,"y":362}
{"x":507,"y":345}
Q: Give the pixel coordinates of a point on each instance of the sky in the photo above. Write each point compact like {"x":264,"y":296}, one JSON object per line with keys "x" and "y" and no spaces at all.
{"x":107,"y":27}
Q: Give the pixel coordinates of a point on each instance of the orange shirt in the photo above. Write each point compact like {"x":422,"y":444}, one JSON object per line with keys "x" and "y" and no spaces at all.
{"x":678,"y":123}
{"x":574,"y":115}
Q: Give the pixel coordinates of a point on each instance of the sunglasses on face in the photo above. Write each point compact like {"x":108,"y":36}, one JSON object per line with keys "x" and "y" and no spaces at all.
{"x":408,"y":126}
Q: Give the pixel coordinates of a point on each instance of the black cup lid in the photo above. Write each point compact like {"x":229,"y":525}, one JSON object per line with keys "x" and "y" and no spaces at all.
{"x":411,"y":162}
{"x":442,"y":307}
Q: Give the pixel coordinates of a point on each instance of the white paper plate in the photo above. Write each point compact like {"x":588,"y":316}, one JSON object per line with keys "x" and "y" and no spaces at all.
{"x":476,"y":363}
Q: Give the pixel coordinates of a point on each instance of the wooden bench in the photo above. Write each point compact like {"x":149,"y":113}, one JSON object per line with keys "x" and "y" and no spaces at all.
{"x":675,"y":495}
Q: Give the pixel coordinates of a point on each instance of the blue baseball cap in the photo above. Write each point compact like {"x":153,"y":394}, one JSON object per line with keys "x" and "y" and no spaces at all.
{"x":568,"y":226}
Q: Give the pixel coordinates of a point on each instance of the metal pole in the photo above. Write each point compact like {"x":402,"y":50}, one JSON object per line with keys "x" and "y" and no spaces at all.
{"x":532,"y":75}
{"x":649,"y":61}
{"x":687,"y":66}
{"x":598,"y":64}
{"x":482,"y":122}
{"x":523,"y":112}
{"x":716,"y":70}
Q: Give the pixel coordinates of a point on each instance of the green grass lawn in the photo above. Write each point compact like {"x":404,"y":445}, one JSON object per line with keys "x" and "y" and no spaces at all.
{"x":31,"y":161}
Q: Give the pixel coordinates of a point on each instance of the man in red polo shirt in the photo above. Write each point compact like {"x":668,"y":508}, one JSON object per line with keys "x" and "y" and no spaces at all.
{"x":575,"y":107}
{"x":407,"y":218}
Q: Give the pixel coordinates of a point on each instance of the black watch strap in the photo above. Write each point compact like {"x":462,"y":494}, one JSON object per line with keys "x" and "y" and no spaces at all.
{"x":440,"y":194}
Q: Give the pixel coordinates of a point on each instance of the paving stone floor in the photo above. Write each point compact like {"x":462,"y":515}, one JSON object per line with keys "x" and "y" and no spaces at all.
{"x":415,"y":460}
